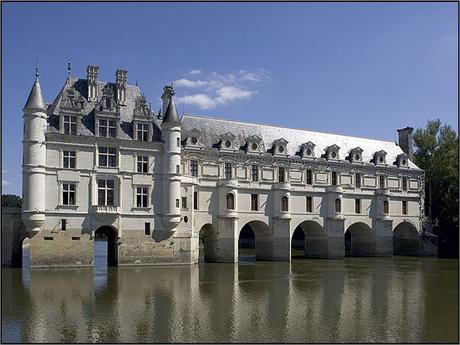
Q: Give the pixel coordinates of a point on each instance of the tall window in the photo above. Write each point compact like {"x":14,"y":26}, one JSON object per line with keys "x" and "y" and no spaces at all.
{"x":357,"y":205}
{"x":309,"y":206}
{"x":309,"y":177}
{"x":281,"y":174}
{"x":142,"y":197}
{"x":334,"y":178}
{"x":195,"y":200}
{"x":254,"y":202}
{"x":178,"y":142}
{"x":69,"y":159}
{"x":358,"y":180}
{"x":107,"y":156}
{"x":404,"y":207}
{"x":142,"y":164}
{"x":184,"y":202}
{"x":68,"y":194}
{"x":147,"y":228}
{"x":107,"y":128}
{"x":385,"y":207}
{"x":194,"y":168}
{"x":230,"y":201}
{"x":338,"y":205}
{"x":228,"y":170}
{"x":404,"y":183}
{"x":105,"y":192}
{"x":255,"y":173}
{"x":70,"y":125}
{"x":143,"y":132}
{"x":382,"y":181}
{"x":284,"y":204}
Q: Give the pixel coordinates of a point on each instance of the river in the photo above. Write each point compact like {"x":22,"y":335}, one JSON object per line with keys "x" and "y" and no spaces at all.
{"x":394,"y":299}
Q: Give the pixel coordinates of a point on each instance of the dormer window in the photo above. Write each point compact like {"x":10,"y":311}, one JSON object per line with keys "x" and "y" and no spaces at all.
{"x":193,"y":138}
{"x":402,"y":160}
{"x":356,"y":155}
{"x":380,"y":157}
{"x":70,"y":125}
{"x":254,"y":144}
{"x":108,"y":103}
{"x":226,"y":141}
{"x":307,"y":150}
{"x":280,"y":147}
{"x":332,"y":152}
{"x":143,"y":131}
{"x":107,"y":127}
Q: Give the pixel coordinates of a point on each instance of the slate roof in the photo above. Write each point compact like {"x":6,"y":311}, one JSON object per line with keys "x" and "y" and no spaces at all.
{"x":35,"y":99}
{"x":213,"y":128}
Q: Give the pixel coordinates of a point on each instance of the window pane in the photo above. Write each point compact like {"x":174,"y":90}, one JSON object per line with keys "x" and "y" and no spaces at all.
{"x":65,"y":198}
{"x":102,"y":160}
{"x":110,"y":184}
{"x":112,"y":161}
{"x":110,"y":197}
{"x":101,"y":197}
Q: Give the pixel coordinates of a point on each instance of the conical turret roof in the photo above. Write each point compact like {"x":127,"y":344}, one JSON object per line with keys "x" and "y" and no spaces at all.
{"x":35,"y":100}
{"x":171,"y":113}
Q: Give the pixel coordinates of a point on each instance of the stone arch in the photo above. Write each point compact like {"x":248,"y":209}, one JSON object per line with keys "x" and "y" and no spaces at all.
{"x":110,"y":234}
{"x":208,"y":242}
{"x":263,"y":238}
{"x":314,"y":239}
{"x":359,"y":240}
{"x":406,"y":239}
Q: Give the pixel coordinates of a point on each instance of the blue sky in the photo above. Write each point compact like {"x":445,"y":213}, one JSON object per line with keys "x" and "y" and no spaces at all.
{"x":357,"y":69}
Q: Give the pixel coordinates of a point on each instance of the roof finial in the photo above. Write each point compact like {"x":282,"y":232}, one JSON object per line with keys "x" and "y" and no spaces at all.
{"x":171,"y":85}
{"x":69,"y":68}
{"x":36,"y":69}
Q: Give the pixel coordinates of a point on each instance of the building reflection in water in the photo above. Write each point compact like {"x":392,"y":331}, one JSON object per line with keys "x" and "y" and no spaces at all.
{"x":351,"y":300}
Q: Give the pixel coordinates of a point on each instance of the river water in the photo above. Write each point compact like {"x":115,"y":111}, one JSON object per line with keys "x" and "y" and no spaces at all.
{"x":398,"y":299}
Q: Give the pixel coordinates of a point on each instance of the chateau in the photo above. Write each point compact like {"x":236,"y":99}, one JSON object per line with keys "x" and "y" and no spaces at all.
{"x":98,"y":161}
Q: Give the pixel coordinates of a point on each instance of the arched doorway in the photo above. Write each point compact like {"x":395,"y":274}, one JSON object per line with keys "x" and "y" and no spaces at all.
{"x":406,"y":240}
{"x":255,"y":241}
{"x":359,"y":240}
{"x":309,"y":240}
{"x":207,"y":243}
{"x":106,"y":246}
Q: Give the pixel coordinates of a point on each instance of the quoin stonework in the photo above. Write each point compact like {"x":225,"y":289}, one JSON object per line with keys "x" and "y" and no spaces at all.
{"x":99,"y":161}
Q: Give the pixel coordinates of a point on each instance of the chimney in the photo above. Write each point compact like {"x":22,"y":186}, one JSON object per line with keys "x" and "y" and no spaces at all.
{"x":92,"y":73}
{"x":120,"y":79}
{"x":405,"y":140}
{"x":168,"y":92}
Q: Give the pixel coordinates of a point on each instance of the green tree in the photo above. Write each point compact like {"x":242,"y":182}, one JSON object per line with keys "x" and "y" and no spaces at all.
{"x":11,"y":200}
{"x":437,"y":153}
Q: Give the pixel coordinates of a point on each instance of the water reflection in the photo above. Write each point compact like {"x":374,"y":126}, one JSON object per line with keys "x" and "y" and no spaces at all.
{"x":351,"y":300}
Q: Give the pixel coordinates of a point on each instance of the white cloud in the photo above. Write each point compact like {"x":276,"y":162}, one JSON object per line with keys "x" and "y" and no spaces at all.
{"x":194,"y":71}
{"x":5,"y":183}
{"x":217,"y":89}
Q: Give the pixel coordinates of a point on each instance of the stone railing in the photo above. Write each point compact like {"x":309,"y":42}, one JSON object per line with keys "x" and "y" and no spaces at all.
{"x":101,"y":209}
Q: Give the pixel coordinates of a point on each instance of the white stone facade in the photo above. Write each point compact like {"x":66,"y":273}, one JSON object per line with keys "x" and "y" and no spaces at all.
{"x":98,"y":160}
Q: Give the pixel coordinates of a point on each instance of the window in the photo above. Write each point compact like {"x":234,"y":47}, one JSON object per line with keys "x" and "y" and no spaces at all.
{"x":281,"y":174}
{"x":385,"y":207}
{"x":143,"y":132}
{"x":338,"y":205}
{"x":334,"y":178}
{"x":108,"y":103}
{"x":142,"y":197}
{"x":358,"y":180}
{"x":404,"y":207}
{"x":195,"y":200}
{"x":184,"y":202}
{"x":63,"y":224}
{"x":68,"y":194}
{"x":105,"y":192}
{"x":357,"y":205}
{"x":228,"y":170}
{"x":309,"y":177}
{"x":194,"y":168}
{"x":230,"y":201}
{"x":254,"y":202}
{"x":107,"y":156}
{"x":309,"y":205}
{"x":70,"y":125}
{"x":177,"y":169}
{"x":142,"y":164}
{"x":178,"y":142}
{"x":107,"y":128}
{"x":255,"y":173}
{"x":177,"y":203}
{"x":284,"y":204}
{"x":382,"y":181}
{"x":404,"y":183}
{"x":69,"y":159}
{"x":147,"y":228}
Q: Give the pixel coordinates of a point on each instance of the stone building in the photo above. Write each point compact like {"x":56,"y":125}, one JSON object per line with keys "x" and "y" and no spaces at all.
{"x":99,"y":161}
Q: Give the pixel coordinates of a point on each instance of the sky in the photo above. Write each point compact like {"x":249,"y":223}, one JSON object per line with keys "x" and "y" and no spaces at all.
{"x":360,"y":69}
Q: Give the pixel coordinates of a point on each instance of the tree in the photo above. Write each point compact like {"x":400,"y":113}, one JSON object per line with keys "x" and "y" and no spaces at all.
{"x":437,"y":154}
{"x":11,"y":200}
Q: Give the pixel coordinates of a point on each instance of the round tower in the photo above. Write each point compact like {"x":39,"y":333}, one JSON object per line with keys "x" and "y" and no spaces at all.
{"x":171,"y":131}
{"x":34,"y":159}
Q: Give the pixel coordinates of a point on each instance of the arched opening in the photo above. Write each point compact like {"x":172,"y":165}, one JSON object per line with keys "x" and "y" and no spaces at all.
{"x":309,"y":240}
{"x":338,"y":205}
{"x":207,"y":243}
{"x":25,"y":253}
{"x":255,"y":242}
{"x":285,"y":204}
{"x":406,"y":240}
{"x":105,"y":247}
{"x":359,"y":240}
{"x":230,"y":201}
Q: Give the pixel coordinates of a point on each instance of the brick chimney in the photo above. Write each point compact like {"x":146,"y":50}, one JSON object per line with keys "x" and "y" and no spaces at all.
{"x":405,"y":141}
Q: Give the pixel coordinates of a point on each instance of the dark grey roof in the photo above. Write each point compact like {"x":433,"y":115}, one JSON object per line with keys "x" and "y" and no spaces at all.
{"x":213,"y":128}
{"x":171,"y":113}
{"x":80,"y":89}
{"x":35,"y":100}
